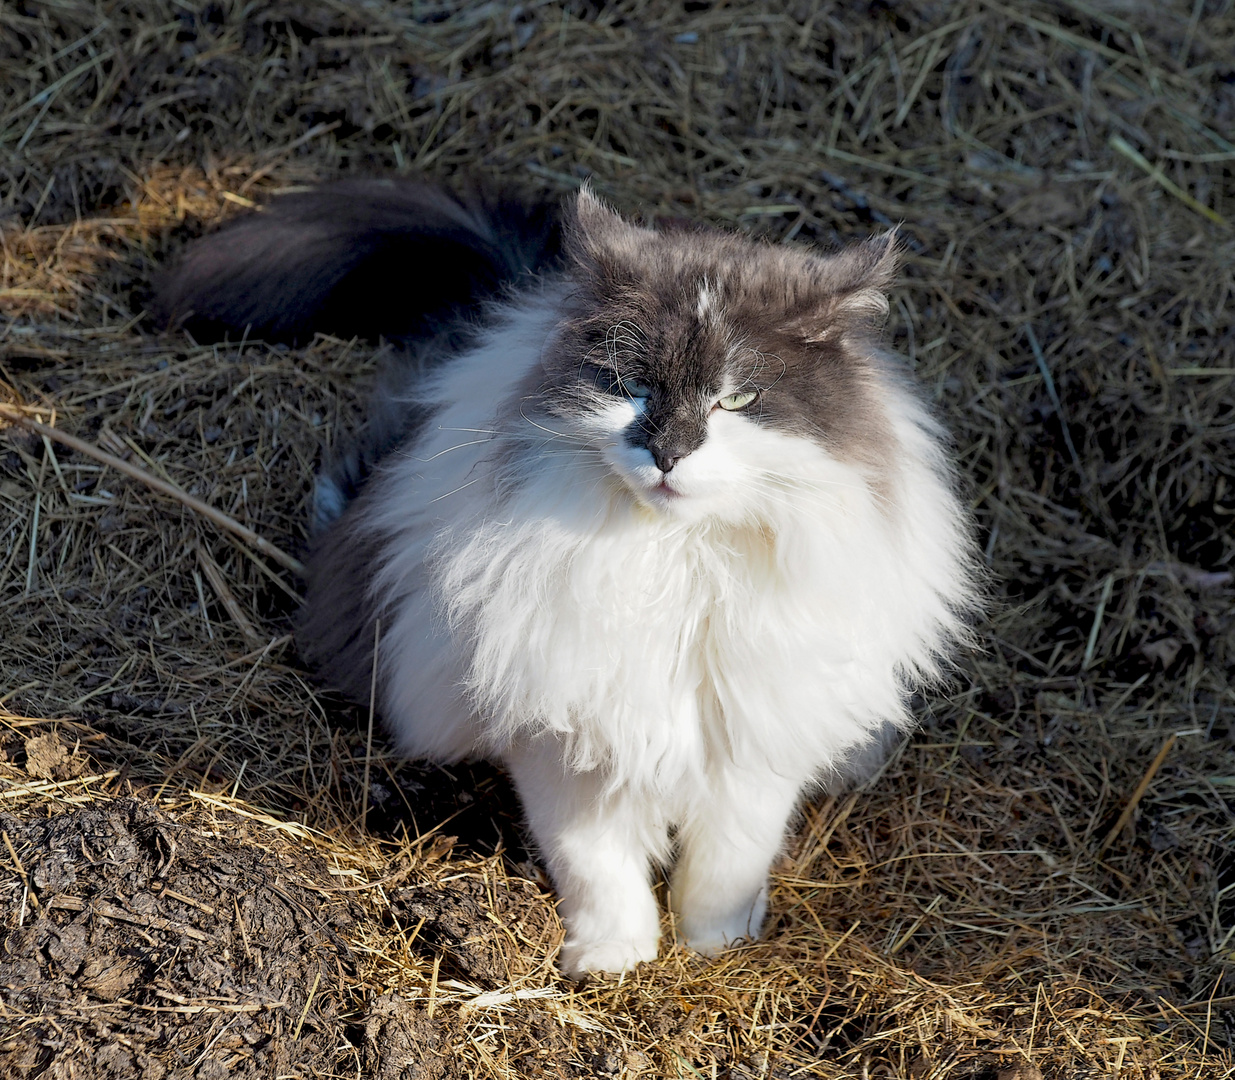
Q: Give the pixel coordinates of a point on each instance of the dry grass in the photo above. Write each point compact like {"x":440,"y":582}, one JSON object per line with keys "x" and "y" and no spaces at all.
{"x":1064,"y":173}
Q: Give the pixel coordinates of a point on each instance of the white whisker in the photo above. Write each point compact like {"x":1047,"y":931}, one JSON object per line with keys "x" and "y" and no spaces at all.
{"x":456,"y":491}
{"x":457,"y":446}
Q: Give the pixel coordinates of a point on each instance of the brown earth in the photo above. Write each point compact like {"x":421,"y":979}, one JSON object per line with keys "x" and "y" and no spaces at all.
{"x":174,"y":942}
{"x":1039,"y":884}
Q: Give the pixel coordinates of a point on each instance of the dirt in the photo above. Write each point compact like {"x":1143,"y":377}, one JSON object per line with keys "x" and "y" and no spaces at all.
{"x":142,"y":941}
{"x":146,"y":947}
{"x":449,"y":915}
{"x":47,"y":758}
{"x":404,"y":1042}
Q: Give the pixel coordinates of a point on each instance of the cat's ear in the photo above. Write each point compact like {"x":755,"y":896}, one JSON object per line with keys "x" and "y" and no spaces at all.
{"x":599,"y":238}
{"x":857,"y":280}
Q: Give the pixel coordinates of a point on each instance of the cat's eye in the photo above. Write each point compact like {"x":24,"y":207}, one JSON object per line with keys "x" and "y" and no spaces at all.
{"x":608,"y":381}
{"x":633,"y":388}
{"x":734,"y":402}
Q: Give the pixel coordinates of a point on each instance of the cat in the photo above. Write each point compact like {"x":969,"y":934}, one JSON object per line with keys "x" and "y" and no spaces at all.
{"x":648,"y":516}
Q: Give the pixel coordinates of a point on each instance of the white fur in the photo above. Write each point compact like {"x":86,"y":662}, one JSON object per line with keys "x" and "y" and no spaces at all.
{"x":643,"y":659}
{"x":705,"y":305}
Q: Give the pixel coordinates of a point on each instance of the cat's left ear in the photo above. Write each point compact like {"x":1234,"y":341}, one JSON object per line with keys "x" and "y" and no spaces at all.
{"x":857,"y":280}
{"x":601,"y":239}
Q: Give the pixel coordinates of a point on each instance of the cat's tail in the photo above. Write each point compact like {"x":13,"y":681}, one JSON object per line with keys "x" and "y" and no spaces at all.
{"x":368,"y":258}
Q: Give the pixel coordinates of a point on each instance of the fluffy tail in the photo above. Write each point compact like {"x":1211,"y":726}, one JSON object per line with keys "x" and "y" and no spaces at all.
{"x":368,"y":258}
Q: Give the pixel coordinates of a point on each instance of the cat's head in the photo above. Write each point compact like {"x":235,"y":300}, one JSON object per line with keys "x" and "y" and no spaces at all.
{"x":710,"y":370}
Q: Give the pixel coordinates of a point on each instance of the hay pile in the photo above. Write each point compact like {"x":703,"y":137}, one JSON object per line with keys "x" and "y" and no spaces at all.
{"x":1042,"y":881}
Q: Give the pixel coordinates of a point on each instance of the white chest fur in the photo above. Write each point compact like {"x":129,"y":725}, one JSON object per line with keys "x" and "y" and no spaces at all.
{"x":781,"y":629}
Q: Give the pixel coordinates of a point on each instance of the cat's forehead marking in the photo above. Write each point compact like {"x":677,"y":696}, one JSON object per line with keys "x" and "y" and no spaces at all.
{"x":705,"y":307}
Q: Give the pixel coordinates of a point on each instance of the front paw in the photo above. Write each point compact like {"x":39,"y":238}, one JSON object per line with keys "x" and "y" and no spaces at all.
{"x":580,"y":958}
{"x":711,"y":932}
{"x":712,"y":940}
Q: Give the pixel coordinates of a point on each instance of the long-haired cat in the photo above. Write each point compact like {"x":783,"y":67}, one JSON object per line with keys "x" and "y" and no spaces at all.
{"x":649,"y":517}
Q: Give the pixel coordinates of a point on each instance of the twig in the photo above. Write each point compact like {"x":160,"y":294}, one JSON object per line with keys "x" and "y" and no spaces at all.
{"x":368,"y":748}
{"x":21,"y":870}
{"x":110,"y":911}
{"x":432,"y":1008}
{"x":42,"y":787}
{"x":222,"y":520}
{"x":300,"y":1022}
{"x":1103,"y":600}
{"x":1040,"y":358}
{"x":293,"y":827}
{"x":1141,"y":788}
{"x":1122,"y":146}
{"x":31,"y":561}
{"x":278,"y":155}
{"x":218,"y":582}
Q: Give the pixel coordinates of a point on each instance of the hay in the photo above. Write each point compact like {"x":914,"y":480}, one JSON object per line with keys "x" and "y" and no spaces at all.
{"x":1063,"y":172}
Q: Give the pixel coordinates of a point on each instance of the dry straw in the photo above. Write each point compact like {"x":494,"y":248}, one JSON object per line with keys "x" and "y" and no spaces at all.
{"x":1042,"y":880}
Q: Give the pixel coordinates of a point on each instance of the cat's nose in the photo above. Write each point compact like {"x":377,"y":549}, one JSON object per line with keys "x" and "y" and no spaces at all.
{"x":668,"y":452}
{"x":668,"y":448}
{"x":665,"y":460}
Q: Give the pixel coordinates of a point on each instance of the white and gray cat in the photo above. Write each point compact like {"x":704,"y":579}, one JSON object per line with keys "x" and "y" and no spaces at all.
{"x":648,"y":517}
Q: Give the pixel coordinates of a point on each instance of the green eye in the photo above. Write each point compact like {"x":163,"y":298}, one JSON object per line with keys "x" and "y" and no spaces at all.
{"x":737,"y":401}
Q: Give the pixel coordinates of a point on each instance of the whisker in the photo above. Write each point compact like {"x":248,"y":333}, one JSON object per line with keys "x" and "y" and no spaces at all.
{"x":822,"y":487}
{"x":457,"y":446}
{"x":550,"y":431}
{"x":447,"y":494}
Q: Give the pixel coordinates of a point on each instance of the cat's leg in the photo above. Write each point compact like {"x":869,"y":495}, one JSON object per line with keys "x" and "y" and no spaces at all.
{"x":863,"y":763}
{"x":728,"y":840}
{"x":599,"y":848}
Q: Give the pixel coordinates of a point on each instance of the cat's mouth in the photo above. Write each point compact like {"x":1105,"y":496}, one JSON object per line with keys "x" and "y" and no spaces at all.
{"x":665,"y":491}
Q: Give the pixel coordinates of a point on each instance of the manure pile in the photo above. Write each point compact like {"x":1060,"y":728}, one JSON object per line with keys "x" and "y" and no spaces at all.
{"x":1041,"y":885}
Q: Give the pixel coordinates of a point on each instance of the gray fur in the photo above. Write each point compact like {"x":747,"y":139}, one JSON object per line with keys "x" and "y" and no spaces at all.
{"x":867,"y":763}
{"x":365,"y":258}
{"x":336,"y":626}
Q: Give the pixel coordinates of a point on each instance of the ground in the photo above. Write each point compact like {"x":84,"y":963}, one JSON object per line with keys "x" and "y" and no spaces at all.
{"x":195,"y":876}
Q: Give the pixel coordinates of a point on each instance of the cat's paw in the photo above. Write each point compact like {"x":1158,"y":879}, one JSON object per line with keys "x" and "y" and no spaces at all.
{"x":580,"y":958}
{"x":713,"y":934}
{"x":712,"y":941}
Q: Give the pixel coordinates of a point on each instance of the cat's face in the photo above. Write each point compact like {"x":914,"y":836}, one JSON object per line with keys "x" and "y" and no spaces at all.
{"x":696,"y":364}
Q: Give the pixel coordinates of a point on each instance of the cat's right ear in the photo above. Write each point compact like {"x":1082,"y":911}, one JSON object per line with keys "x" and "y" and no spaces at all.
{"x":854,"y":285}
{"x":600,"y":239}
{"x":864,"y":272}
